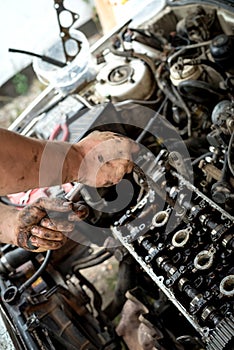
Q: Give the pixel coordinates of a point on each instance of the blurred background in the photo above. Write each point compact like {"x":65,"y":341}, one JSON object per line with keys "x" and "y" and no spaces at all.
{"x":32,"y":25}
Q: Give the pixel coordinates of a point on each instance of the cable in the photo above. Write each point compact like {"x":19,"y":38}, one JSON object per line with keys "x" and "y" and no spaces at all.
{"x":197,"y":160}
{"x":43,"y":57}
{"x":225,"y":168}
{"x":35,"y":276}
{"x":92,"y":263}
{"x":145,"y":102}
{"x":89,"y":257}
{"x":186,"y":109}
{"x":164,"y":86}
{"x":151,"y":121}
{"x":7,"y":201}
{"x":229,"y":151}
{"x":185,"y":48}
{"x":199,"y":91}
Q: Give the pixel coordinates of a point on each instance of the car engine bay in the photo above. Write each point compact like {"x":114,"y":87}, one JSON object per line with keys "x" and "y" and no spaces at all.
{"x":167,"y":83}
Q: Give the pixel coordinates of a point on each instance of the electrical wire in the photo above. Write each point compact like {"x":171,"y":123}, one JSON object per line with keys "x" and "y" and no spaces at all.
{"x":197,"y":160}
{"x":90,"y":257}
{"x":42,"y":57}
{"x":151,"y":121}
{"x":145,"y":102}
{"x":93,"y":262}
{"x":185,"y":48}
{"x":38,"y":273}
{"x":186,"y":109}
{"x":7,"y":201}
{"x":229,"y":151}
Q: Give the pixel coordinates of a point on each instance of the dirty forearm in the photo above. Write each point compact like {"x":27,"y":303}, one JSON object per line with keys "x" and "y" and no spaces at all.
{"x":7,"y":218}
{"x":27,"y":163}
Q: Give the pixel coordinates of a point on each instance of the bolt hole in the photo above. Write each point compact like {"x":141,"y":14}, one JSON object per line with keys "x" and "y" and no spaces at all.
{"x":160,"y":218}
{"x":227,"y":286}
{"x":203,"y":260}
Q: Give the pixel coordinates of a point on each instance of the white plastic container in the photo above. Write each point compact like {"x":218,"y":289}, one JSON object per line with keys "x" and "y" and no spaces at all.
{"x":74,"y":73}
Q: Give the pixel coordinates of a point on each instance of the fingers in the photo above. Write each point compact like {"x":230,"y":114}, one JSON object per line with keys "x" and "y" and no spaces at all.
{"x":30,"y":215}
{"x":126,"y":144}
{"x":130,"y":166}
{"x":50,"y":235}
{"x":112,"y":172}
{"x":80,"y":212}
{"x":108,"y":135}
{"x":52,"y":213}
{"x":44,"y":244}
{"x":33,"y":213}
{"x":39,"y":230}
{"x":57,"y":225}
{"x":27,"y":240}
{"x":47,"y":234}
{"x":108,"y":145}
{"x":107,"y":157}
{"x":58,"y":212}
{"x":45,"y":238}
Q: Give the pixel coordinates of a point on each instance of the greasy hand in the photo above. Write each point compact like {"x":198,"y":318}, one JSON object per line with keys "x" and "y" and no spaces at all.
{"x":107,"y":157}
{"x":43,"y":224}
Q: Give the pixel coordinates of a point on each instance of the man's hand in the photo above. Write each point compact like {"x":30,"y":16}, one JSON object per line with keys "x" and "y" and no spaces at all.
{"x":107,"y":157}
{"x":43,"y":225}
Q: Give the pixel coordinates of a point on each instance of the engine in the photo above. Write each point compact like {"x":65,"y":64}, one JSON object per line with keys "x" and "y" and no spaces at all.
{"x":180,"y":228}
{"x":166,"y":82}
{"x":186,"y":249}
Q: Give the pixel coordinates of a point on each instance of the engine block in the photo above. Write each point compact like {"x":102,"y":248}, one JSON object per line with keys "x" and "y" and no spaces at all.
{"x":185,"y":248}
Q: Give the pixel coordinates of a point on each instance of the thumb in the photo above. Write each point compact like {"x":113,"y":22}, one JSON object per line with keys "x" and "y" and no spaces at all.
{"x":79,"y":212}
{"x":135,"y":147}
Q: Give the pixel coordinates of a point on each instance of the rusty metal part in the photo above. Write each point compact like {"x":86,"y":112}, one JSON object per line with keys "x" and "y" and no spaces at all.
{"x":65,"y":30}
